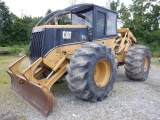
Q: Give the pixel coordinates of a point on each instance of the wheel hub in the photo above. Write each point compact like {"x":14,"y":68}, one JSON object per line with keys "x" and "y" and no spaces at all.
{"x":145,"y":64}
{"x":102,"y":73}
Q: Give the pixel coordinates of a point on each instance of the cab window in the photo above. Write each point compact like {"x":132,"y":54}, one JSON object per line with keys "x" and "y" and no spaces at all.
{"x":84,"y":18}
{"x":111,"y":23}
{"x":101,"y":23}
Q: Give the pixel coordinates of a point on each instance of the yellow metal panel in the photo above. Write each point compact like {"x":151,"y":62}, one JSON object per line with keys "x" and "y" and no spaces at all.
{"x":14,"y":67}
{"x":120,"y":58}
{"x":123,"y":30}
{"x":57,"y":75}
{"x":28,"y":73}
{"x":53,"y":57}
{"x":70,"y":49}
{"x":59,"y":26}
{"x":108,"y":42}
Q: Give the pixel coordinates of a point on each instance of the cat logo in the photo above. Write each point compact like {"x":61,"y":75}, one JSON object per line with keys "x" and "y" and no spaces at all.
{"x":67,"y":34}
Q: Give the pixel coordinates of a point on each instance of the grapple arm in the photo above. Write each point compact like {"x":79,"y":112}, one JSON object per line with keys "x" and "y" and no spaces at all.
{"x":126,"y":40}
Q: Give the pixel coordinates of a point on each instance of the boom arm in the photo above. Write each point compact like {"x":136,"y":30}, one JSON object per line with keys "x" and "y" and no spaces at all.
{"x":126,"y":40}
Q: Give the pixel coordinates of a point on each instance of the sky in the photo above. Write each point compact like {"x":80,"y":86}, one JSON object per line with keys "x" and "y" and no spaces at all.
{"x":37,"y":8}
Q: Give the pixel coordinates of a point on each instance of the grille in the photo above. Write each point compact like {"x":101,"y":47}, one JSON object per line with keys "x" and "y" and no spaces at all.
{"x":36,"y":45}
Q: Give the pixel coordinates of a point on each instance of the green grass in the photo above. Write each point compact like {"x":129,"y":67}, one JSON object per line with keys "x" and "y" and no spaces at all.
{"x":5,"y":62}
{"x":14,"y":50}
{"x":156,"y":53}
{"x":155,"y":61}
{"x":6,"y":95}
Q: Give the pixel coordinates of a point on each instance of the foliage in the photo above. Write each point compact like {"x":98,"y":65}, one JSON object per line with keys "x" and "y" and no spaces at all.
{"x":22,"y":29}
{"x":15,"y":30}
{"x":5,"y":22}
{"x":5,"y":40}
{"x":14,"y":50}
{"x":153,"y":41}
{"x":114,"y":5}
{"x":5,"y":19}
{"x":48,"y":11}
{"x":142,"y":18}
{"x":73,"y":2}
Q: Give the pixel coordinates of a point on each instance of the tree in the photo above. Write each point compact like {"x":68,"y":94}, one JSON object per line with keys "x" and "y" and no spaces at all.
{"x":15,"y":30}
{"x":22,"y":29}
{"x":114,"y":5}
{"x":5,"y":19}
{"x":125,"y":16}
{"x":5,"y":25}
{"x":73,"y":2}
{"x":142,"y":18}
{"x":154,"y":16}
{"x":48,"y":11}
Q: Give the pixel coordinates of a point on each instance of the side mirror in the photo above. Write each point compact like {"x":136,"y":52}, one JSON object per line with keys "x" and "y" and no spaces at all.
{"x":90,"y":35}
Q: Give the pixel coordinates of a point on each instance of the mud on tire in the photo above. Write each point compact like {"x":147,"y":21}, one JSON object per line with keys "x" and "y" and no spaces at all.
{"x":137,"y":62}
{"x":92,"y":72}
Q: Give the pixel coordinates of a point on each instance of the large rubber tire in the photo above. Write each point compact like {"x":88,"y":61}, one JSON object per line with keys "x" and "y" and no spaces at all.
{"x":137,"y":62}
{"x":92,"y":72}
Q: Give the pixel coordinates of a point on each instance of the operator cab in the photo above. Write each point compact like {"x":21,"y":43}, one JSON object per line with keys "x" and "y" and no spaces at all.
{"x":82,"y":18}
{"x":76,"y":24}
{"x":102,"y":21}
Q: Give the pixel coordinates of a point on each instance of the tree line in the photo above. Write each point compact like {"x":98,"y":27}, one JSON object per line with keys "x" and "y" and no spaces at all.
{"x":15,"y":30}
{"x":142,"y":17}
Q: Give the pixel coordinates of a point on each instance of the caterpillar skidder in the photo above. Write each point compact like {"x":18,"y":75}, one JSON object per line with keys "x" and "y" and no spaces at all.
{"x":80,"y":41}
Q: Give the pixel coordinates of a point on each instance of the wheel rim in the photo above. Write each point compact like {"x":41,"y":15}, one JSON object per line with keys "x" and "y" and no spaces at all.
{"x":102,"y":73}
{"x":145,"y":64}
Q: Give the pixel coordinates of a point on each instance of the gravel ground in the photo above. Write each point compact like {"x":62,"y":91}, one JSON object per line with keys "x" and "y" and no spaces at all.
{"x":128,"y":100}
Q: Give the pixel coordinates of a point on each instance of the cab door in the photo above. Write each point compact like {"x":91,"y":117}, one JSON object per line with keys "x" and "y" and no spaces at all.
{"x":105,"y":22}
